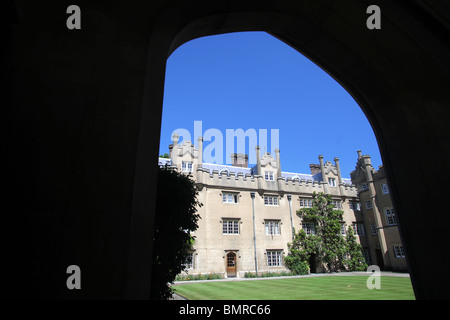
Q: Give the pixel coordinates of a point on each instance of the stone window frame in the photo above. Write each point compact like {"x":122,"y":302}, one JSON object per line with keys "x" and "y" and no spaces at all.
{"x":235,"y":197}
{"x":332,"y":182}
{"x":391,"y":216}
{"x":305,"y":202}
{"x":358,"y":227}
{"x":309,"y":227}
{"x":187,"y":166}
{"x":275,"y":202}
{"x":235,"y":225}
{"x":399,"y":251}
{"x":384,"y":188}
{"x":273,"y":228}
{"x":268,"y":175}
{"x":274,"y":257}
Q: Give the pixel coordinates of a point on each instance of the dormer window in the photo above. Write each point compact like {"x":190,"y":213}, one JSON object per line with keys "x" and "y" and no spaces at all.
{"x":332,"y":182}
{"x":186,"y":166}
{"x":268,"y":175}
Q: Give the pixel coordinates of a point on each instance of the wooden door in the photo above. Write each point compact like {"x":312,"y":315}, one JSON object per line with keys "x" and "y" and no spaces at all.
{"x":231,"y":264}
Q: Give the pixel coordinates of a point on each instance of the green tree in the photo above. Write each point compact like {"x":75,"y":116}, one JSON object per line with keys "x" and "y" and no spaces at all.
{"x":327,"y":220}
{"x":297,"y":259}
{"x":355,"y":259}
{"x":327,"y":245}
{"x":165,"y":155}
{"x":176,"y":218}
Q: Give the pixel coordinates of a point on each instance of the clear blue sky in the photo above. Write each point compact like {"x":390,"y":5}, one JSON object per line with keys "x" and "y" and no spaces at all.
{"x":253,"y":80}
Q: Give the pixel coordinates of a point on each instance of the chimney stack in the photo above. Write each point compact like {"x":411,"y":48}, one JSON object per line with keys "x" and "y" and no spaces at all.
{"x":239,"y":160}
{"x":242,"y":160}
{"x":315,"y":168}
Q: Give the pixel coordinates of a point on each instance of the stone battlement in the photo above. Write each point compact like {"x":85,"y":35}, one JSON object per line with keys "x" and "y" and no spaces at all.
{"x":232,"y":180}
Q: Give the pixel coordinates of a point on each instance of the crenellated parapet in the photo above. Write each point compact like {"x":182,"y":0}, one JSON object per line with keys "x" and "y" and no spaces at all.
{"x":238,"y":180}
{"x":265,"y":177}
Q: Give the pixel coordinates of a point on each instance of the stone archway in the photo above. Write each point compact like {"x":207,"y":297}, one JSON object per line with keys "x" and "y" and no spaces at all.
{"x":378,"y":71}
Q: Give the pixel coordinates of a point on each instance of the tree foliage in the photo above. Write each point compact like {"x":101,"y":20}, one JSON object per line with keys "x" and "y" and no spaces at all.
{"x":176,"y":218}
{"x":355,"y":258}
{"x":327,"y":245}
{"x":297,"y":259}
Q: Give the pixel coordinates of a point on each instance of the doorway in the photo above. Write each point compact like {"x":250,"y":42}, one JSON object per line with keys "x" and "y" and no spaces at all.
{"x":312,"y":263}
{"x":380,"y":261}
{"x":231,"y":264}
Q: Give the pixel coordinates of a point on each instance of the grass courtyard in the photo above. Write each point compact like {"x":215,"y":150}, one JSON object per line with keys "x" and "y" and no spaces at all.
{"x":307,"y":288}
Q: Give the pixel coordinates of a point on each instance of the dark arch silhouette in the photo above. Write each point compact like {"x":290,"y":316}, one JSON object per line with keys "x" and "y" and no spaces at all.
{"x":82,"y":126}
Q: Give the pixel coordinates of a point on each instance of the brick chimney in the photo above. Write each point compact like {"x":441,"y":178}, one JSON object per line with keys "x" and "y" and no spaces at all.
{"x":315,"y":168}
{"x":239,"y":160}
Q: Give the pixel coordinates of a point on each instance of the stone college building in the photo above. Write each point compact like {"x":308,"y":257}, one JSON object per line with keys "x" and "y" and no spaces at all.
{"x":249,"y":214}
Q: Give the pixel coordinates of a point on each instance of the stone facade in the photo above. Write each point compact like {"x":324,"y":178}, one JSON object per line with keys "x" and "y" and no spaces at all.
{"x":249,"y":214}
{"x":380,"y":220}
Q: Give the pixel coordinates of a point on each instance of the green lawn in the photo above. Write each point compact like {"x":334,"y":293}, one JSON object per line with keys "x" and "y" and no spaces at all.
{"x":311,"y":288}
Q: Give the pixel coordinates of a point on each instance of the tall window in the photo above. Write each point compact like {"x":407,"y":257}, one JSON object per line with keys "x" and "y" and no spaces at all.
{"x":343,"y":233}
{"x":373,"y":228}
{"x":186,"y":166}
{"x":271,"y":200}
{"x":354,"y":205}
{"x":189,"y":263}
{"x":369,"y":205}
{"x":272,"y":227}
{"x":359,"y":229}
{"x":366,"y":255}
{"x":230,"y":226}
{"x":385,"y":188}
{"x":274,"y":258}
{"x":391,"y":217}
